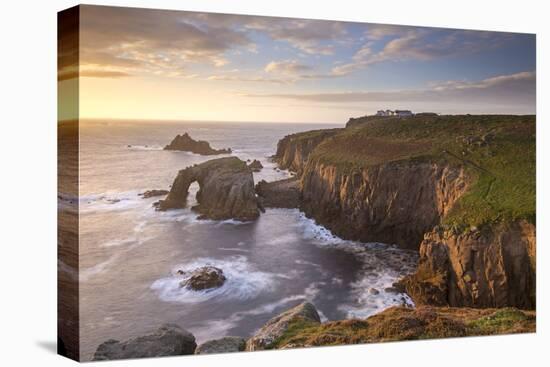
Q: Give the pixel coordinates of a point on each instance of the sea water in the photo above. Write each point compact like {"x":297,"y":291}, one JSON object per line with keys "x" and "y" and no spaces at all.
{"x":130,"y":253}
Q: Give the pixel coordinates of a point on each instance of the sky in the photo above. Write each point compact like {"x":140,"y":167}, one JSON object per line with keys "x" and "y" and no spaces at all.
{"x":175,"y":65}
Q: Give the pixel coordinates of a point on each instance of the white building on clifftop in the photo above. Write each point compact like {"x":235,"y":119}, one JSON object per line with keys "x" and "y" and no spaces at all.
{"x":400,"y":113}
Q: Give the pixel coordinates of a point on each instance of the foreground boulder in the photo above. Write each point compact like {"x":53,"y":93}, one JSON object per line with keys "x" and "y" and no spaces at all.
{"x":187,"y":144}
{"x":228,"y":344}
{"x":169,"y":340}
{"x":226,"y":190}
{"x":274,"y":329}
{"x":205,"y":277}
{"x":152,"y":193}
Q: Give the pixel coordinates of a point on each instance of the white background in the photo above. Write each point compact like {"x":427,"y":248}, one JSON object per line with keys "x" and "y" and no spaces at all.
{"x":28,"y":181}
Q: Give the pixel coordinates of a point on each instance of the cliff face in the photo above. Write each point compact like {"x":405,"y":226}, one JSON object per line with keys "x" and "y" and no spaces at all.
{"x":390,"y":203}
{"x":492,"y":267}
{"x":403,"y":180}
{"x":293,"y":150}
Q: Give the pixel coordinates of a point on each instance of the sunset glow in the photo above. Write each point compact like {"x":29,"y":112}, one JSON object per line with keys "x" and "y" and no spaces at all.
{"x":149,"y":64}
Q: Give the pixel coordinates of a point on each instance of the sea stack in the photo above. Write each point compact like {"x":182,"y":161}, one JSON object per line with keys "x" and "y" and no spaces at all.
{"x":187,"y":144}
{"x":226,"y":190}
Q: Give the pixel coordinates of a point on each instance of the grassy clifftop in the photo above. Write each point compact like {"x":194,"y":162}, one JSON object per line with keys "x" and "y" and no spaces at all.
{"x":399,"y":323}
{"x":497,"y":151}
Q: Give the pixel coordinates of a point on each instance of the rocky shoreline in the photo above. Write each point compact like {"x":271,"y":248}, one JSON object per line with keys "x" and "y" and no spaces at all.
{"x":405,"y":195}
{"x":301,"y":327}
{"x":383,"y":180}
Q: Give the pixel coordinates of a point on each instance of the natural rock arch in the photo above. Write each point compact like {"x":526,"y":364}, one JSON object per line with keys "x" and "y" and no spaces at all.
{"x":226,"y":190}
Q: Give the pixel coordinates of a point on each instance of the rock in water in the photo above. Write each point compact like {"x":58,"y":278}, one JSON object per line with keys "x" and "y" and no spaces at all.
{"x":228,"y":344}
{"x":187,"y":144}
{"x":279,"y":194}
{"x":256,"y":165}
{"x":226,"y":190}
{"x":169,"y":340}
{"x":275,"y":328}
{"x":152,"y":193}
{"x":205,"y":277}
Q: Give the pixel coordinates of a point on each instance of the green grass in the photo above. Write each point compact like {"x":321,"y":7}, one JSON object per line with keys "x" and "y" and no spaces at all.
{"x":501,"y":170}
{"x":500,"y":322}
{"x":400,"y":323}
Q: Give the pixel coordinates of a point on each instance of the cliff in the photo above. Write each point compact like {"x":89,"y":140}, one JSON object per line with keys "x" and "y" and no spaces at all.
{"x":226,"y":190}
{"x":491,"y":267}
{"x":395,"y":202}
{"x":293,"y":150}
{"x":403,"y":181}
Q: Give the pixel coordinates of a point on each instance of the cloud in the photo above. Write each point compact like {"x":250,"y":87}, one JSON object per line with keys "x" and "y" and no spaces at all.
{"x":516,"y":89}
{"x":314,"y":37}
{"x":259,"y":79}
{"x":143,"y":41}
{"x":420,"y":44}
{"x":377,"y":32}
{"x":286,"y":67}
{"x":71,"y":73}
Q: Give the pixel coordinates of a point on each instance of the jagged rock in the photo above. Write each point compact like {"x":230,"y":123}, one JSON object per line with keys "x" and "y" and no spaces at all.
{"x":275,"y":328}
{"x":293,"y":150}
{"x":226,"y":190}
{"x":152,"y":193}
{"x":228,"y":344}
{"x":169,"y":340}
{"x":256,"y":165}
{"x":279,"y":194}
{"x":491,"y":268}
{"x":205,"y":277}
{"x":394,"y":202}
{"x":186,"y":143}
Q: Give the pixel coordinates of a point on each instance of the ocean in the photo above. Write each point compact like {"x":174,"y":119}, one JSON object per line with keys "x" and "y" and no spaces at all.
{"x":129,"y":252}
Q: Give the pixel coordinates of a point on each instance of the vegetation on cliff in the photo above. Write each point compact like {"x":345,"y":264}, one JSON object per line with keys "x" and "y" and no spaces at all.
{"x":497,"y":152}
{"x":401,"y":323}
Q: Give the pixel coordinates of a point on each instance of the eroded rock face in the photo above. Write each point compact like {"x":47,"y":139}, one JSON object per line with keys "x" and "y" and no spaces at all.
{"x":206,"y":277}
{"x":275,"y":328}
{"x":392,"y":203}
{"x":186,"y":143}
{"x":492,"y":267}
{"x":169,"y":340}
{"x":256,"y":165}
{"x":279,"y":194}
{"x":293,"y":150}
{"x":228,"y":344}
{"x":226,"y":190}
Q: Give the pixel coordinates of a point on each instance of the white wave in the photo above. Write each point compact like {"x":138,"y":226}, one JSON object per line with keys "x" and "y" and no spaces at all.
{"x":381,"y":266}
{"x":233,"y":249}
{"x":243,"y":282}
{"x":286,"y":238}
{"x":67,"y":269}
{"x":308,"y":263}
{"x":144,"y":147}
{"x":112,"y":201}
{"x":219,"y":328}
{"x":127,"y":244}
{"x":119,"y":242}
